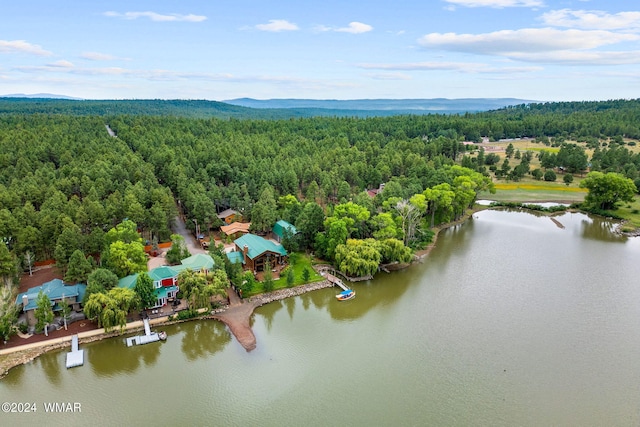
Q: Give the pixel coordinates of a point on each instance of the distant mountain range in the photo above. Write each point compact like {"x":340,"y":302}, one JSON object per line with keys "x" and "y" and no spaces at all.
{"x":247,"y":108}
{"x":39,"y":96}
{"x":411,"y":106}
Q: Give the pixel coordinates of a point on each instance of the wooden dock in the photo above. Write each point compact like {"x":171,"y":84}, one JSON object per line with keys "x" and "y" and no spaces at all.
{"x":333,"y":279}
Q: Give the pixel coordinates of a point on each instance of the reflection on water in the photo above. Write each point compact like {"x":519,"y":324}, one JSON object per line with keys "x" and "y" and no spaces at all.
{"x":115,"y":358}
{"x":510,"y":320}
{"x":202,"y":338}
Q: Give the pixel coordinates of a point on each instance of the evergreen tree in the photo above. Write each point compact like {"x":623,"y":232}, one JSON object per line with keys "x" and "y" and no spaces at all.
{"x":78,"y":269}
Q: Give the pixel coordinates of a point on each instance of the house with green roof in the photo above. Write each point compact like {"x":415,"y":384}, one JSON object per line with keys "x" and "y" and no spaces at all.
{"x":281,"y":227}
{"x":56,"y":290}
{"x":165,"y":277}
{"x":254,"y":252}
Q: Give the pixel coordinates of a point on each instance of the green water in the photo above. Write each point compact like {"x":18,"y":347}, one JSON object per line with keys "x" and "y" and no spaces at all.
{"x":511,"y":320}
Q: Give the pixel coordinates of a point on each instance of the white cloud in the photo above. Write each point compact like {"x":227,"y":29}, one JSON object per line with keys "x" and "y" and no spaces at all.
{"x":61,"y":64}
{"x":277,"y":25}
{"x":527,"y":40}
{"x":593,"y":19}
{"x":497,"y":4}
{"x":568,"y":57}
{"x":21,"y":46}
{"x":355,"y":28}
{"x":97,"y":56}
{"x":157,"y":17}
{"x":465,"y":67}
{"x":390,"y":76}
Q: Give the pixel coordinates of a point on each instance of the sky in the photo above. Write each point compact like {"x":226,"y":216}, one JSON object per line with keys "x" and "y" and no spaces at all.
{"x":543,"y":50}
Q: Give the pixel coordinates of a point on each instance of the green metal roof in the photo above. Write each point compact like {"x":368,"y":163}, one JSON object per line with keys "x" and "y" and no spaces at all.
{"x":162,"y":291}
{"x":198,"y":262}
{"x":258,"y":245}
{"x":128,"y":282}
{"x":162,"y":272}
{"x":55,"y":290}
{"x":283,"y":225}
{"x":235,"y":257}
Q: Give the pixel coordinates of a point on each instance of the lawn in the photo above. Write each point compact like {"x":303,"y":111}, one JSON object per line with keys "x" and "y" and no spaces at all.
{"x":535,"y":191}
{"x":298,"y":261}
{"x":631,"y":213}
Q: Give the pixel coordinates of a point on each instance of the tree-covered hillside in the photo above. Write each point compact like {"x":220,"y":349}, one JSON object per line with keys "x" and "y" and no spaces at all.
{"x":64,"y":172}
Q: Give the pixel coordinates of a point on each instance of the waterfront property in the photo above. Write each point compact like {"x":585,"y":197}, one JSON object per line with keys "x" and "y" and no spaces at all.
{"x":255,"y":252}
{"x":165,"y":278}
{"x":281,"y":228}
{"x":56,"y":290}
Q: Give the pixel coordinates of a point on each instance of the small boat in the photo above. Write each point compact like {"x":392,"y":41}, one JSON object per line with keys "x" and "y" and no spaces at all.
{"x":345,"y":295}
{"x":162,"y":335}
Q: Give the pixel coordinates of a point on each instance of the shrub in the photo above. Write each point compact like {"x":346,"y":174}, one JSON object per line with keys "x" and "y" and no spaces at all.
{"x":549,"y":175}
{"x":187,"y":314}
{"x":23,"y":327}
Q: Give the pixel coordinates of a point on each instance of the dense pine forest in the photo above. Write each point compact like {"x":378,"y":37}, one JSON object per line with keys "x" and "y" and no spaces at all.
{"x":80,"y":177}
{"x":65,"y":181}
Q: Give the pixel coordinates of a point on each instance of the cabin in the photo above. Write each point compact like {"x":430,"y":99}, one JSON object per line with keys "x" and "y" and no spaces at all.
{"x":229,"y":216}
{"x":254,"y":252}
{"x":235,"y":229}
{"x":374,"y":192}
{"x":56,"y":290}
{"x":282,"y":227}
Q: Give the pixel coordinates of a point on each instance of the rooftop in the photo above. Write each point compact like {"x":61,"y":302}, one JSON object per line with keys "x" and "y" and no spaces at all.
{"x":258,"y":245}
{"x":55,"y":290}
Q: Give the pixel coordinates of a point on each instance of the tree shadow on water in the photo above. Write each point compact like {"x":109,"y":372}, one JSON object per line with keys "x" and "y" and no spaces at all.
{"x":203,"y":338}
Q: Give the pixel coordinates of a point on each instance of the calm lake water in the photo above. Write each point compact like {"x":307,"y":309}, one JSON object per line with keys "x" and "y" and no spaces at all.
{"x":511,"y":320}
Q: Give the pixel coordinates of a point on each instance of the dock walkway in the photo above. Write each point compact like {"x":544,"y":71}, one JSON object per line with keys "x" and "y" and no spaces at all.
{"x":334,"y":280}
{"x":75,"y":357}
{"x":144,"y":339}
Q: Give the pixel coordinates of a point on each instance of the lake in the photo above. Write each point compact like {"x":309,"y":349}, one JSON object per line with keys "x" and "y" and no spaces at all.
{"x":512,"y":319}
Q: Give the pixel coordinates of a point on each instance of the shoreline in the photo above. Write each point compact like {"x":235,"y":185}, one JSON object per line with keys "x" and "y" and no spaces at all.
{"x":20,"y":355}
{"x":23,"y":354}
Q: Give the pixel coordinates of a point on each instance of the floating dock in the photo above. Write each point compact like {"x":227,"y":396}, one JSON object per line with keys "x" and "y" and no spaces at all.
{"x":144,"y":339}
{"x":75,"y":357}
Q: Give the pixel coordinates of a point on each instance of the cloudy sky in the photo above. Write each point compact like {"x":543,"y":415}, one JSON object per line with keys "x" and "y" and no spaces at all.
{"x":547,"y":50}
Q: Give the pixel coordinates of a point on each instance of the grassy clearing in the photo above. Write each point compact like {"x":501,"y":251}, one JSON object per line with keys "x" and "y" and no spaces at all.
{"x":535,"y":191}
{"x":631,"y":213}
{"x":298,"y":261}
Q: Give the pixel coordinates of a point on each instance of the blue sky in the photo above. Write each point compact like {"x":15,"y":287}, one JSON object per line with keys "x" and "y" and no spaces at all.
{"x":547,"y":50}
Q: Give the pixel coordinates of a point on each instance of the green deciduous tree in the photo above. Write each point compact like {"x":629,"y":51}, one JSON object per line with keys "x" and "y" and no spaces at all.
{"x":605,"y":190}
{"x":358,"y":257}
{"x":145,"y":290}
{"x":198,"y":288}
{"x":178,"y":250}
{"x":43,"y":312}
{"x":110,"y":309}
{"x":127,"y":258}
